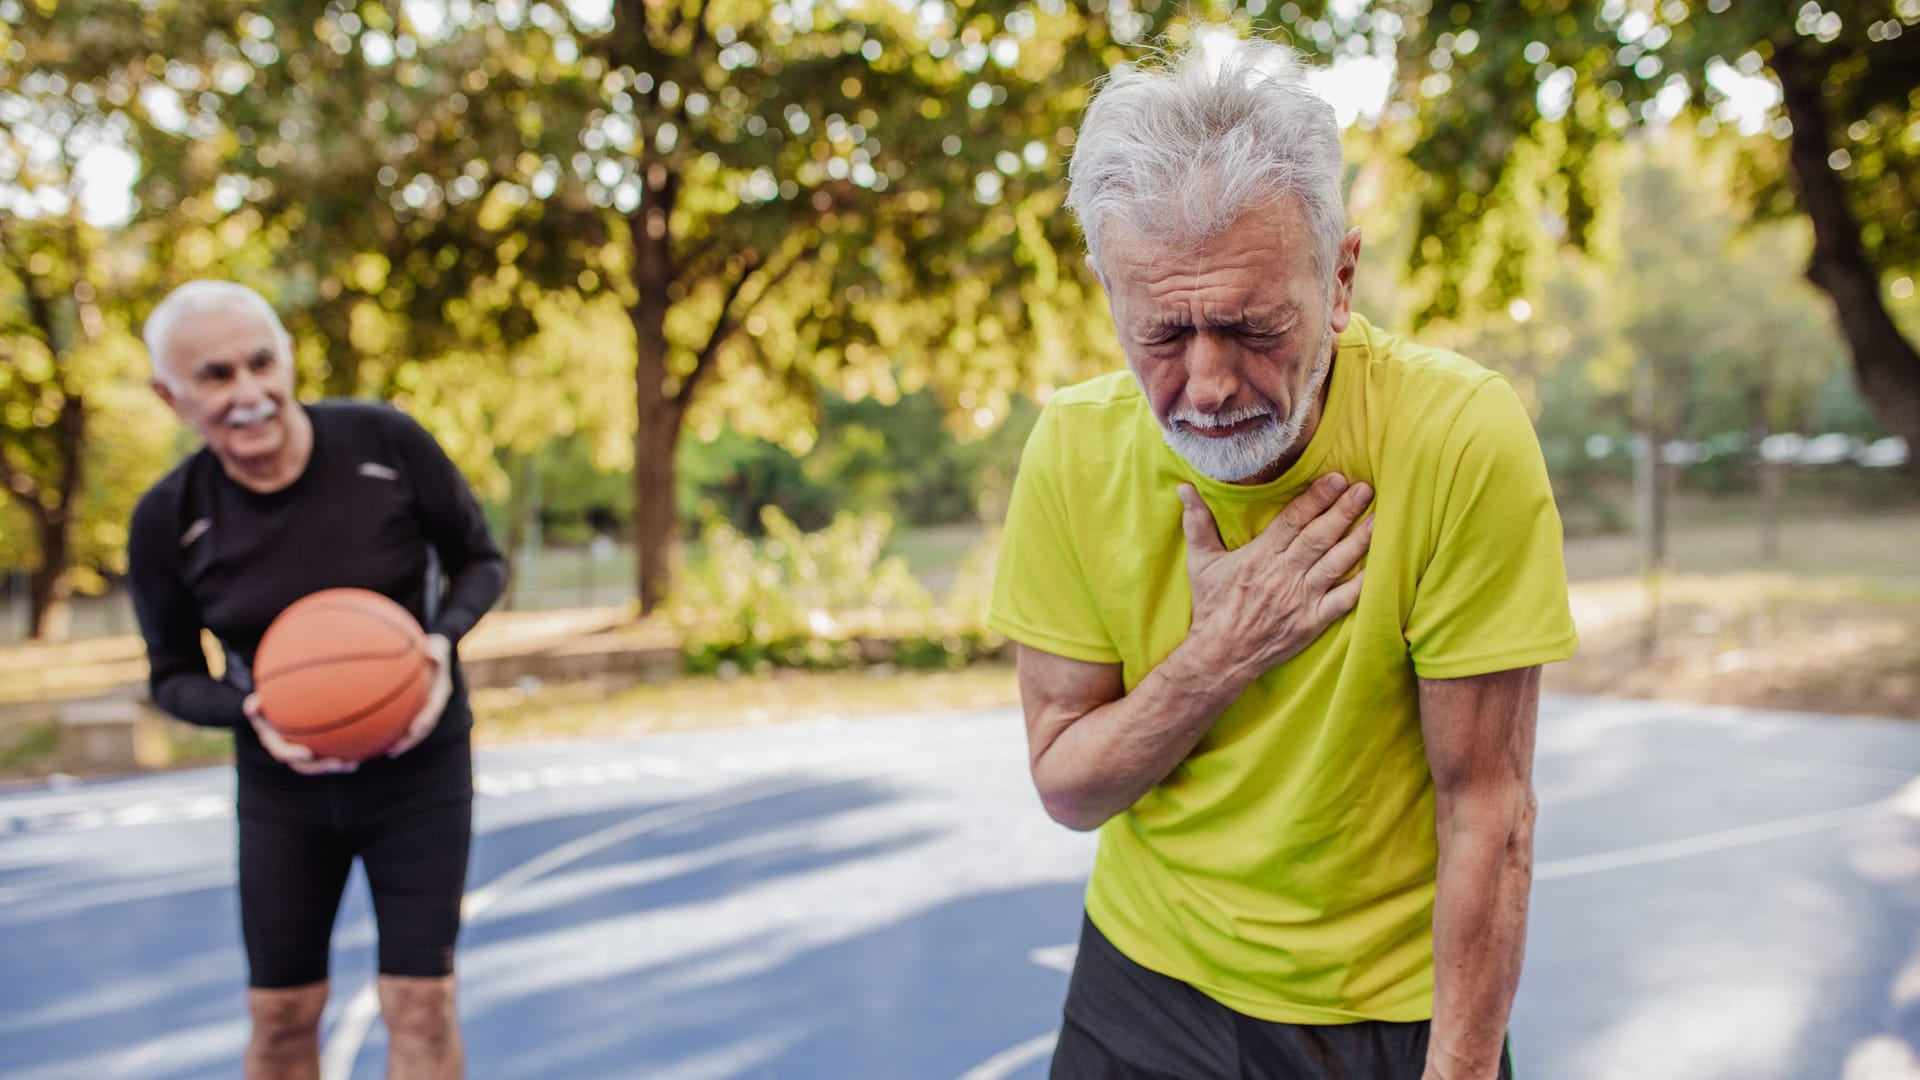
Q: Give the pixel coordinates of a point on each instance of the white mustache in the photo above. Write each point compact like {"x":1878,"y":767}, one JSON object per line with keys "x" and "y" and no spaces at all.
{"x":1193,"y":418}
{"x":243,"y":415}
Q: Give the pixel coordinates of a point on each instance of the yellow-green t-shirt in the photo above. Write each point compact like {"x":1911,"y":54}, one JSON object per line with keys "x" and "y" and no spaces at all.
{"x":1286,"y":867}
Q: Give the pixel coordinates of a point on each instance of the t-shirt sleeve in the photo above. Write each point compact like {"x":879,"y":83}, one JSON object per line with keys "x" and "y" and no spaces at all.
{"x":450,"y":516}
{"x":1493,"y":596}
{"x":1040,"y":593}
{"x":178,"y":680}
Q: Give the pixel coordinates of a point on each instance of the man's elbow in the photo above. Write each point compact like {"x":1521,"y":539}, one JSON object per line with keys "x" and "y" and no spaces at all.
{"x":1073,"y":813}
{"x":1069,"y":803}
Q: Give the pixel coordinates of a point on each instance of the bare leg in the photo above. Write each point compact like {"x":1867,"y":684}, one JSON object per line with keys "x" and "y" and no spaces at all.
{"x":285,"y":1043}
{"x":423,"y":1028}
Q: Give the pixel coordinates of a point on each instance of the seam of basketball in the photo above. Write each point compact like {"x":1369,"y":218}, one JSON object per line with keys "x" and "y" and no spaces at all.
{"x":362,"y":714}
{"x":337,"y":658}
{"x":409,"y":629}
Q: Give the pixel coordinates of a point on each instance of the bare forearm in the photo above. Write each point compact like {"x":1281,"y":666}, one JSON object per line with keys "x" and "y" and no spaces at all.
{"x":1104,"y":761}
{"x":1479,"y":932}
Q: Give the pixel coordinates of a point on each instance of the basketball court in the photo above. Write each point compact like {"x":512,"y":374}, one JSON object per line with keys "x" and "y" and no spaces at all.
{"x":1719,"y":894}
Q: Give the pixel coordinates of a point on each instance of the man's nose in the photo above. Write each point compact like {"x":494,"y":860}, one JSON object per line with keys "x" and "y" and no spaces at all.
{"x":248,"y":386}
{"x":1213,"y":377}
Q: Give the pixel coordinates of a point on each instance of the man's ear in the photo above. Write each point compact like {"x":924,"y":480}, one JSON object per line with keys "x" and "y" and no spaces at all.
{"x":1345,"y":266}
{"x":165,"y":393}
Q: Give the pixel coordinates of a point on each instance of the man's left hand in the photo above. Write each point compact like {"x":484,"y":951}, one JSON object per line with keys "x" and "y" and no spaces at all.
{"x":441,"y":652}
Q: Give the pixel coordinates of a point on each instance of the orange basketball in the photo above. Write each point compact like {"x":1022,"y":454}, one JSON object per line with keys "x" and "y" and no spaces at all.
{"x":342,"y":672}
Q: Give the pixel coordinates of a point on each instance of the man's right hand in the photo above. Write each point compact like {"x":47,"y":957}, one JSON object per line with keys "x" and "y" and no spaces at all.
{"x":291,"y":754}
{"x":1259,"y":606}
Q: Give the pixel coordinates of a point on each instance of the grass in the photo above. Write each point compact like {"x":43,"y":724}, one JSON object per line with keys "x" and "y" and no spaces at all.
{"x":1830,"y":624}
{"x":590,"y":708}
{"x":28,"y":748}
{"x":1882,"y":547}
{"x":594,"y":709}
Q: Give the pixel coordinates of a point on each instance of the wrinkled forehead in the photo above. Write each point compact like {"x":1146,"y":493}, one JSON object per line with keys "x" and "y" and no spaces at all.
{"x":228,"y":333}
{"x":1271,"y":243}
{"x":1261,"y":267}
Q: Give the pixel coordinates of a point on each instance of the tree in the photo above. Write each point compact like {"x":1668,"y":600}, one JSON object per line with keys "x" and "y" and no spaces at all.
{"x":72,"y":80}
{"x":50,"y":317}
{"x":777,"y":195}
{"x":807,"y":193}
{"x":1517,"y":98}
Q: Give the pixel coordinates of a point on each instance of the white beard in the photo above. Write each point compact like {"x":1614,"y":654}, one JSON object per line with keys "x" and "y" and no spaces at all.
{"x":1251,"y":452}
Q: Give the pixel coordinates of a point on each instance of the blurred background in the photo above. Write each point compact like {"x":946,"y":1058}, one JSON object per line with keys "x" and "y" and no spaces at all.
{"x":737,"y":313}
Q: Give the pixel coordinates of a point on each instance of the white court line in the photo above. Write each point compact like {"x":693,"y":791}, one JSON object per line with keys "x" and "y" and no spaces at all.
{"x":1057,"y":957}
{"x":1013,"y":1058}
{"x":356,"y":1019}
{"x":1708,"y":843}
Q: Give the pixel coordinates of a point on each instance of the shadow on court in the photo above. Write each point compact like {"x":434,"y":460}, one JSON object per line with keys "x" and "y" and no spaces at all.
{"x":927,"y":996}
{"x":1761,"y":920}
{"x":86,"y":977}
{"x":593,"y":970}
{"x":1717,"y":896}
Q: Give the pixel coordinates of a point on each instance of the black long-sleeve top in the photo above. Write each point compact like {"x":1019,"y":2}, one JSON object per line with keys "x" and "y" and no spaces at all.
{"x":379,"y":506}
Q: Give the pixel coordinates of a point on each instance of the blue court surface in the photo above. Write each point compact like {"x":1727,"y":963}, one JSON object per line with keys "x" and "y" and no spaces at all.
{"x":1718,"y":894}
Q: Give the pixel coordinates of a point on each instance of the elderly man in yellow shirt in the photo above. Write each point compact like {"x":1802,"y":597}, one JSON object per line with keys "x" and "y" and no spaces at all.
{"x":1304,"y":730}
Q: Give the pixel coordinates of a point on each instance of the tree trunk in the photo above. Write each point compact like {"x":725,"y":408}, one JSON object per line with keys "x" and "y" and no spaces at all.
{"x":1885,"y":364}
{"x":50,"y":586}
{"x":658,"y":407}
{"x":656,"y":518}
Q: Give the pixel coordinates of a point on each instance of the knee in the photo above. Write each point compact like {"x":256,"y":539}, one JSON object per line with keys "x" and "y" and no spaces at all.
{"x":420,"y":1010}
{"x":281,"y":1016}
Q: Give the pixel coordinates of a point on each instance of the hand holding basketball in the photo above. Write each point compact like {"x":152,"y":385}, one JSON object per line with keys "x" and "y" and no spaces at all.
{"x":348,"y":674}
{"x":291,"y":754}
{"x":441,"y":650}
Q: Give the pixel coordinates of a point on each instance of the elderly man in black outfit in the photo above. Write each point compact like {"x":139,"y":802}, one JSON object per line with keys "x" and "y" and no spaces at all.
{"x":282,"y":501}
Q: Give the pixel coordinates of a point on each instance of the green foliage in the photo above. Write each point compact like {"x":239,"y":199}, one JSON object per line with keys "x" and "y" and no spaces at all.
{"x":83,"y":435}
{"x":735,"y":477}
{"x":859,"y":272}
{"x":563,"y":384}
{"x":134,"y":441}
{"x":905,"y":459}
{"x":1519,"y":108}
{"x":852,"y":194}
{"x":920,"y":461}
{"x":1509,"y":99}
{"x":820,"y":600}
{"x":1737,"y":343}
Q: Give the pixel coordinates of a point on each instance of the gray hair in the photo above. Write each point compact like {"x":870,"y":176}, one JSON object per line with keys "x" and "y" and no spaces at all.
{"x":200,"y":298}
{"x":1181,"y":146}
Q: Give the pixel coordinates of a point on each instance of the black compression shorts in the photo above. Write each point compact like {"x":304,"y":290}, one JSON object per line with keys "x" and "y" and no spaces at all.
{"x":1125,"y":1022}
{"x":409,"y":821}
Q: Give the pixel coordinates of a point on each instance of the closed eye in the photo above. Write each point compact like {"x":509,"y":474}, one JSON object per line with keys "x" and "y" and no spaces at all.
{"x":1263,"y":331}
